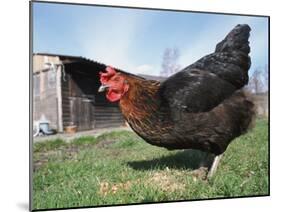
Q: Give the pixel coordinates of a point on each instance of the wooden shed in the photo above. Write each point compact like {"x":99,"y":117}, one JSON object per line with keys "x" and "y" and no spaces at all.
{"x":65,"y":92}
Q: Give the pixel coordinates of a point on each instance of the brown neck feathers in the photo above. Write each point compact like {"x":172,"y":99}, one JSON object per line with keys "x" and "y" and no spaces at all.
{"x":141,"y":99}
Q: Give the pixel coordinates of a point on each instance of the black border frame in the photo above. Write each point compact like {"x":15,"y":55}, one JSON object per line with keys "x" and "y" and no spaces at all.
{"x":31,"y":103}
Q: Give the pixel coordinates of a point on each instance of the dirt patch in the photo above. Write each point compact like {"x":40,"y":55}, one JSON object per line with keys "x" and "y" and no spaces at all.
{"x":165,"y":182}
{"x":71,"y":151}
{"x":107,"y":188}
{"x":42,"y":158}
{"x":105,"y":143}
{"x":38,"y":164}
{"x":114,"y":153}
{"x":200,"y":173}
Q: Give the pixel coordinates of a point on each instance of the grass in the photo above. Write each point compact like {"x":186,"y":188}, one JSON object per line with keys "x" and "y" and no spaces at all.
{"x":120,"y":168}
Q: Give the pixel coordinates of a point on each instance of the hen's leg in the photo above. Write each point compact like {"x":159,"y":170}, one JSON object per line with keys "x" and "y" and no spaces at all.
{"x":214,"y":166}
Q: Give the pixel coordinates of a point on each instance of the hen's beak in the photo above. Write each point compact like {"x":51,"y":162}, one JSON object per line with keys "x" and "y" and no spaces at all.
{"x":102,"y":88}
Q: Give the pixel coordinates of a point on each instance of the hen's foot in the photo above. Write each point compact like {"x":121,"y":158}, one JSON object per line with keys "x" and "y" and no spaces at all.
{"x":214,"y":166}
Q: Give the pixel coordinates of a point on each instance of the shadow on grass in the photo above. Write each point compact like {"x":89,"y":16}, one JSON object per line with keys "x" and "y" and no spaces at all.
{"x":186,"y":159}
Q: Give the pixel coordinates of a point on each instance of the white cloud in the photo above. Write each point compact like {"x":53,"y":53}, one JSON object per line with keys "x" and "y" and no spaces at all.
{"x":110,"y":38}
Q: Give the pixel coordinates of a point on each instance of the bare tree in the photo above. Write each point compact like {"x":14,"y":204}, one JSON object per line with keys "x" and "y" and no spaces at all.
{"x":258,"y":82}
{"x":265,"y":77}
{"x":169,"y":64}
{"x":255,"y":83}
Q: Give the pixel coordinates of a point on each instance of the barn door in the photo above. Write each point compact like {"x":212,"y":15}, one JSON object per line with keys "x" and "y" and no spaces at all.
{"x":81,"y":110}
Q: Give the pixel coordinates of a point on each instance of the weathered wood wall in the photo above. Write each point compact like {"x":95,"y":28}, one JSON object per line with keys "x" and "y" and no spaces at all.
{"x":44,"y":89}
{"x":66,"y":115}
{"x":45,"y":98}
{"x":107,"y":117}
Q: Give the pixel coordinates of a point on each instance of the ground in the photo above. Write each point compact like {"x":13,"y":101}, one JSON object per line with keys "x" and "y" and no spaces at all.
{"x":120,"y":168}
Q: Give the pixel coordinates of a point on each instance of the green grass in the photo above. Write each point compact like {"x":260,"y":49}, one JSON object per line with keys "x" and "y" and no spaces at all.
{"x":120,"y":168}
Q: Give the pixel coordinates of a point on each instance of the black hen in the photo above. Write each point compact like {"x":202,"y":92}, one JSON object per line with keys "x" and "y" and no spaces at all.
{"x":201,"y":107}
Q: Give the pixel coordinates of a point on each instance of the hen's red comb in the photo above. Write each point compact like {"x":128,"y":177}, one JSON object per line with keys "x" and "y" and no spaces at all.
{"x":104,"y":76}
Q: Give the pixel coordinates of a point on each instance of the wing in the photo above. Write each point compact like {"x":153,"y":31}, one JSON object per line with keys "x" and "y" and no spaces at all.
{"x":206,"y":83}
{"x":195,"y":90}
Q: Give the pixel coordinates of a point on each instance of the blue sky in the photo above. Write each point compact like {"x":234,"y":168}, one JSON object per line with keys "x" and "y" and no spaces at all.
{"x":135,"y":39}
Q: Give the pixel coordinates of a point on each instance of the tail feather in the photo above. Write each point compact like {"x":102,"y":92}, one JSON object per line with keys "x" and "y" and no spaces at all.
{"x":236,"y":40}
{"x":249,"y":115}
{"x":243,"y":111}
{"x":230,"y":61}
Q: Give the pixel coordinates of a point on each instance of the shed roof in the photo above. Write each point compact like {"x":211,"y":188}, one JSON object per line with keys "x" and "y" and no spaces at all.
{"x":67,"y":59}
{"x":152,"y":77}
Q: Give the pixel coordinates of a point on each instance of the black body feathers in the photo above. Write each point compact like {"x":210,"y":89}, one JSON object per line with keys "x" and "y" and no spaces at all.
{"x":201,"y":107}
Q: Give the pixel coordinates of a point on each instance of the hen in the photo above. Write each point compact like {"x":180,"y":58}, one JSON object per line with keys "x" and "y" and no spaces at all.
{"x":201,"y":107}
